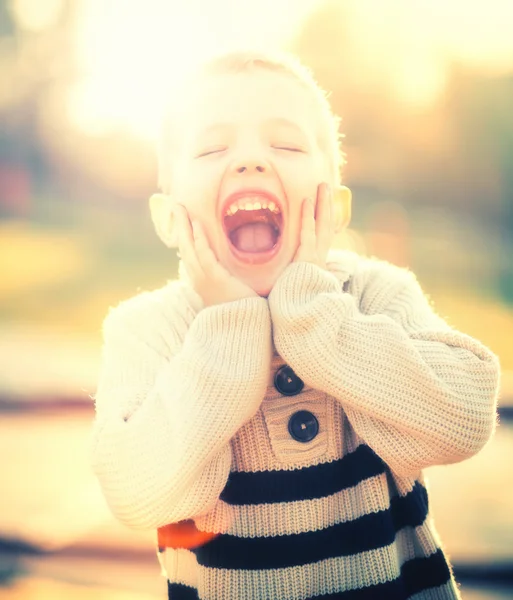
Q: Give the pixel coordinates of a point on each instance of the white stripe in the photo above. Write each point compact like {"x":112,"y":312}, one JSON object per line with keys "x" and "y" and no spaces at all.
{"x":285,"y":518}
{"x":297,"y":583}
{"x":179,"y":566}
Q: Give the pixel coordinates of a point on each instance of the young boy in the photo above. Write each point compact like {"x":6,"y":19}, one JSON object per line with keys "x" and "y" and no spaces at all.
{"x":270,"y":413}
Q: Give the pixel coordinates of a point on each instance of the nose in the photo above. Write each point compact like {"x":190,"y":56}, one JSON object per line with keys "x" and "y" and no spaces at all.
{"x":250,"y":166}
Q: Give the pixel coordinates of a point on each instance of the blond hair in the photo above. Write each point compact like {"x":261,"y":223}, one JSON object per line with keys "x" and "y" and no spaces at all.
{"x":250,"y":61}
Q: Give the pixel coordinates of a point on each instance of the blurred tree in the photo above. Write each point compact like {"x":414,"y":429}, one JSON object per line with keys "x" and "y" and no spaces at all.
{"x":31,"y":61}
{"x":7,"y":26}
{"x":485,"y":130}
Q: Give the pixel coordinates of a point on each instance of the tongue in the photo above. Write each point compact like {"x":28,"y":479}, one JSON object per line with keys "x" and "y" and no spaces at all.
{"x":254,"y":237}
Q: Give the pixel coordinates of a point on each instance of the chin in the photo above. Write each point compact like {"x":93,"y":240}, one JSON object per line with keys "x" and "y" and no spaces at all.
{"x":263,"y":291}
{"x":262,"y":278}
{"x":262,"y":288}
{"x":264,"y":284}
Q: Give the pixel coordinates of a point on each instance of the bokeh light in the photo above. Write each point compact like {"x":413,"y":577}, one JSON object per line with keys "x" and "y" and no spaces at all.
{"x":132,"y":53}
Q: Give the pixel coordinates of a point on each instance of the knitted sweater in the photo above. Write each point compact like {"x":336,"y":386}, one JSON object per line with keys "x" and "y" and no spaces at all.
{"x":312,"y":492}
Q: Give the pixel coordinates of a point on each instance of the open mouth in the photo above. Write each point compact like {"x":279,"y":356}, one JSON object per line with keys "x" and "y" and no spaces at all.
{"x":253,"y":225}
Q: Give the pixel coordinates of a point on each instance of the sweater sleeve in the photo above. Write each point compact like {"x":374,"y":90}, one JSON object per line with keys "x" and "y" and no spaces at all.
{"x":160,"y":441}
{"x":415,"y":390}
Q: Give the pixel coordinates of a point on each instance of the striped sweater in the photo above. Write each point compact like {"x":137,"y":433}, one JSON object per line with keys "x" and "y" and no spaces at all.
{"x":291,"y":432}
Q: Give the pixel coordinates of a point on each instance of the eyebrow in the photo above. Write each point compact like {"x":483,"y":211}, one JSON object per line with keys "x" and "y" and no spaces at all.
{"x":281,"y":121}
{"x":221,"y":127}
{"x":214,"y":128}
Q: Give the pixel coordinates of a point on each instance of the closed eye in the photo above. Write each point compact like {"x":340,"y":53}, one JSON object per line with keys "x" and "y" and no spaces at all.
{"x":216,"y":150}
{"x":289,"y":148}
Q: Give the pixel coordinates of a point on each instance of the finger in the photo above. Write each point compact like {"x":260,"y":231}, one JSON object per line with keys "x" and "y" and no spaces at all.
{"x":186,"y":245}
{"x":323,"y":214}
{"x":325,"y":221}
{"x":307,"y":235}
{"x":205,"y":255}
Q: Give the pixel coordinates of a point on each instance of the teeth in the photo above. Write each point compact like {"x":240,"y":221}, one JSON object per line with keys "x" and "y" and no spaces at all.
{"x":251,"y":204}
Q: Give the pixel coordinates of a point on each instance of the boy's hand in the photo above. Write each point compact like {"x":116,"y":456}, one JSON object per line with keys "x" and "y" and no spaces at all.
{"x":209,"y":278}
{"x":317,"y":228}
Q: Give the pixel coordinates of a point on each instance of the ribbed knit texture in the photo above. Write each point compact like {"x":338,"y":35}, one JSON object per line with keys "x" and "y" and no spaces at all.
{"x":189,"y":425}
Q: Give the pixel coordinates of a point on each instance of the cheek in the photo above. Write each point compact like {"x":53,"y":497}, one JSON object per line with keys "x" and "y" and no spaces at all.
{"x":196,"y":189}
{"x":304,"y":177}
{"x":302,"y":183}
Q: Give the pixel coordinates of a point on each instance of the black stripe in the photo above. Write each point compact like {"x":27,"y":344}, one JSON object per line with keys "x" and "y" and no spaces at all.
{"x":307,"y":483}
{"x":368,"y":532}
{"x":416,"y":576}
{"x":393,"y":590}
{"x":423,"y":573}
{"x":411,"y":509}
{"x":179,"y":591}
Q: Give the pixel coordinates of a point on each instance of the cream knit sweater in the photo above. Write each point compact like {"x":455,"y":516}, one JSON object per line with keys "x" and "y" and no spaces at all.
{"x":190,"y":425}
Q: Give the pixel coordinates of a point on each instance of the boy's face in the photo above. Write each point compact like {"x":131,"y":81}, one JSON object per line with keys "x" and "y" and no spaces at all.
{"x":248,"y":155}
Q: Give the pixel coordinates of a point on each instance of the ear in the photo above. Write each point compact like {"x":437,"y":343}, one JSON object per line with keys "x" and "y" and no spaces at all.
{"x":162,"y":215}
{"x":342,"y":205}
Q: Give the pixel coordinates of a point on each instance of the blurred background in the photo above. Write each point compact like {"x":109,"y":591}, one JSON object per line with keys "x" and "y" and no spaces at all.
{"x":425,"y":90}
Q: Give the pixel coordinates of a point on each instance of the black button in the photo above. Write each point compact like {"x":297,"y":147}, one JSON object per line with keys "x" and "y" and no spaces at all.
{"x":287,"y":382}
{"x":303,"y":426}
